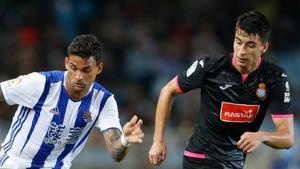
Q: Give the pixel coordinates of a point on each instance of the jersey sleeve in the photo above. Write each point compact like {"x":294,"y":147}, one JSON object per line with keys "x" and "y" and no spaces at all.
{"x":24,"y":90}
{"x":192,"y":77}
{"x":109,"y":117}
{"x":281,"y":99}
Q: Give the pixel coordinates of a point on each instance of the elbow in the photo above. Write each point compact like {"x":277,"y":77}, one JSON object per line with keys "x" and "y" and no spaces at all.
{"x":289,"y":143}
{"x":118,"y":156}
{"x":117,"y":159}
{"x":287,"y":146}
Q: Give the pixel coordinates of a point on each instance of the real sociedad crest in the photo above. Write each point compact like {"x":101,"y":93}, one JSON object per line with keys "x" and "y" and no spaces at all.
{"x":87,"y":117}
{"x":261,"y":91}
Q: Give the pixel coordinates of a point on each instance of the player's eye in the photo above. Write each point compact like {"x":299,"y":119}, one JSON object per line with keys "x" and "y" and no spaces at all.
{"x":238,"y":42}
{"x":87,"y":70}
{"x":251,"y":45}
{"x":72,"y":67}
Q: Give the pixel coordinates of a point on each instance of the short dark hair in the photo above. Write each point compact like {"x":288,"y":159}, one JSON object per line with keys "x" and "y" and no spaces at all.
{"x":256,"y":23}
{"x":86,"y":46}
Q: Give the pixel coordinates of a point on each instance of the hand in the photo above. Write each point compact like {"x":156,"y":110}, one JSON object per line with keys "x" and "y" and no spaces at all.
{"x":250,"y":141}
{"x":157,"y":153}
{"x":132,"y":130}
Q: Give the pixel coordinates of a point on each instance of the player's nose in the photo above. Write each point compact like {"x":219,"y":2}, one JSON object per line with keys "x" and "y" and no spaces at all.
{"x":241,"y":50}
{"x":78,"y":75}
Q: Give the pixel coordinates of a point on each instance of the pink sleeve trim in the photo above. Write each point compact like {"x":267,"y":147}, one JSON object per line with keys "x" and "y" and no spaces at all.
{"x":177,"y":85}
{"x":193,"y":155}
{"x":282,"y":116}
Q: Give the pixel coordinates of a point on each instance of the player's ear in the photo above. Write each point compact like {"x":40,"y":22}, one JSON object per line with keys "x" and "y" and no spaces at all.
{"x":100,"y":67}
{"x":265,"y":47}
{"x":66,"y":62}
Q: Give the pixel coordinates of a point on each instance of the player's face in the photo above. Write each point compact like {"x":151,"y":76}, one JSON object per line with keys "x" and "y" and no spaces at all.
{"x":248,"y":49}
{"x":81,"y":73}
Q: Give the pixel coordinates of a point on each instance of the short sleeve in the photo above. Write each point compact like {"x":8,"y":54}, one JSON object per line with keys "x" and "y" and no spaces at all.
{"x":109,"y":116}
{"x":281,"y":98}
{"x":192,"y":77}
{"x":24,"y":90}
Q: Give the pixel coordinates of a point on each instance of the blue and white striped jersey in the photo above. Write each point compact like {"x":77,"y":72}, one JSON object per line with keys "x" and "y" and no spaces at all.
{"x":49,"y":129}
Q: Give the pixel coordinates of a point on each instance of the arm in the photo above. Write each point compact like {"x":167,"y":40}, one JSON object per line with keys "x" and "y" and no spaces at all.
{"x":113,"y":143}
{"x":282,"y":138}
{"x":158,"y":150}
{"x":21,"y":91}
{"x":132,"y":134}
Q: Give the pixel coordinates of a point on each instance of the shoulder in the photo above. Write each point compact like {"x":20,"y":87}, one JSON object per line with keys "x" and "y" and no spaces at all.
{"x":53,"y":76}
{"x":274,"y":70}
{"x":105,"y":98}
{"x":98,"y":87}
{"x":275,"y":74}
{"x":30,"y":79}
{"x":25,"y":81}
{"x":213,"y":63}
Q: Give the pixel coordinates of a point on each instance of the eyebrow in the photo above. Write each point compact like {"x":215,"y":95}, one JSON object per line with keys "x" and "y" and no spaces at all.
{"x":86,"y":67}
{"x":238,"y":38}
{"x":252,"y":42}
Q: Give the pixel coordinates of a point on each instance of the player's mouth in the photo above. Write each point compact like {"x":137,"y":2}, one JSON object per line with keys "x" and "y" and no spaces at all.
{"x":242,"y":60}
{"x":79,"y":85}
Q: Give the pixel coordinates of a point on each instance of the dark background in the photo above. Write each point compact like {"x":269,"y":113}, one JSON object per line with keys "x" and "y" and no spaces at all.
{"x":146,"y":44}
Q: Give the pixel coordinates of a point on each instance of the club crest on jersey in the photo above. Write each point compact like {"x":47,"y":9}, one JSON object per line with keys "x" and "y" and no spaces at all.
{"x":261,"y":91}
{"x":87,"y":117}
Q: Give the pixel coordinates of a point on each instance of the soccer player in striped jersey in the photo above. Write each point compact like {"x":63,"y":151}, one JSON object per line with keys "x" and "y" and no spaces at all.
{"x":237,"y":90}
{"x":58,"y":109}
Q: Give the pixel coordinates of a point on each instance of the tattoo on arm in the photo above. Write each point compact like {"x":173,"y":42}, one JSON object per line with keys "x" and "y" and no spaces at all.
{"x":113,"y":143}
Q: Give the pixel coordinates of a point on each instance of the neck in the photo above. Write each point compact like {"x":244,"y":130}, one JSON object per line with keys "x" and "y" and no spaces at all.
{"x":76,"y":95}
{"x":245,"y":70}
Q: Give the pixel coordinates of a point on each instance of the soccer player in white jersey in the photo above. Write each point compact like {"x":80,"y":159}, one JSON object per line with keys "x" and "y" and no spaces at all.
{"x":58,"y":109}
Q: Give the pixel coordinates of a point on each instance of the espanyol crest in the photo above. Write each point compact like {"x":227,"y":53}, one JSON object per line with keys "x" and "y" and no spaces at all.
{"x":261,"y":91}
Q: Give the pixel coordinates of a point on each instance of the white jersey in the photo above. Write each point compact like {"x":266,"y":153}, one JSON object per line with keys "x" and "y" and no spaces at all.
{"x":49,"y":129}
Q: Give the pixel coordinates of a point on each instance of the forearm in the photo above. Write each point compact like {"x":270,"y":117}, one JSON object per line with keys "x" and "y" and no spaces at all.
{"x":118,"y":151}
{"x":278,"y":139}
{"x":114,"y":145}
{"x":163,"y":109}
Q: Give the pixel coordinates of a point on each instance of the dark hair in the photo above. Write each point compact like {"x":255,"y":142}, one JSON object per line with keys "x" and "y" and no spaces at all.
{"x":86,"y":46}
{"x":256,"y":23}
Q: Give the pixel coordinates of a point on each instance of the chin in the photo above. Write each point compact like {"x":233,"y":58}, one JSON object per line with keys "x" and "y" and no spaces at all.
{"x":78,"y":89}
{"x":242,"y":65}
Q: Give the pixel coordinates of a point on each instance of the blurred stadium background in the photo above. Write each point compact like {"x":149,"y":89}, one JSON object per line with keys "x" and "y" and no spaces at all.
{"x":147,"y":43}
